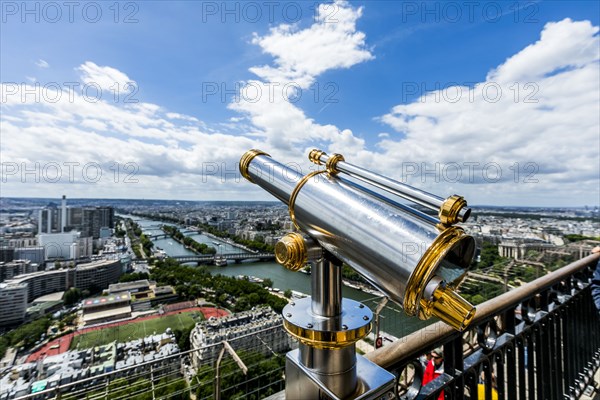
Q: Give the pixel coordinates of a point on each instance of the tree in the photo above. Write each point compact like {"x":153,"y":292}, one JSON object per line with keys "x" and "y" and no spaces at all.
{"x":288,"y":293}
{"x":489,"y":255}
{"x":134,"y":276}
{"x":72,"y":296}
{"x":183,"y":337}
{"x":268,"y":282}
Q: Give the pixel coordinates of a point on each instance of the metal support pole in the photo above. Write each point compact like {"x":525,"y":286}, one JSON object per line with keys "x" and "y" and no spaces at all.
{"x":326,"y":286}
{"x":378,"y":310}
{"x":327,"y":327}
{"x":235,"y":357}
{"x":335,"y":367}
{"x":218,"y":374}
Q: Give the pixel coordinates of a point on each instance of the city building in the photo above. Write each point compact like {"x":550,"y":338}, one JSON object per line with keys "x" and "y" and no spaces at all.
{"x":11,"y":269}
{"x":34,"y":254}
{"x":259,"y":328}
{"x":44,"y":305}
{"x":59,"y":245}
{"x":144,"y":293}
{"x":95,"y":275}
{"x":518,"y":248}
{"x":13,"y":303}
{"x":22,"y":241}
{"x":87,"y":220}
{"x":106,"y":308}
{"x":44,"y":282}
{"x":7,"y":254}
{"x":131,"y":359}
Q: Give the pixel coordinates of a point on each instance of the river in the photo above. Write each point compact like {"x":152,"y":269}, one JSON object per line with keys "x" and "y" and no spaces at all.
{"x":393,"y":319}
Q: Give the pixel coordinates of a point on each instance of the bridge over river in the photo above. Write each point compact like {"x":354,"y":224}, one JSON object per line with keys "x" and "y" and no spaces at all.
{"x":237,"y":257}
{"x":166,"y":235}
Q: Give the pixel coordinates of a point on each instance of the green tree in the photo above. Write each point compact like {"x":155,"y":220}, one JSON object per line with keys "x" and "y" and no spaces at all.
{"x":288,"y":293}
{"x":72,"y":296}
{"x":183,"y":337}
{"x":268,"y":282}
{"x":134,"y":276}
{"x":488,"y":256}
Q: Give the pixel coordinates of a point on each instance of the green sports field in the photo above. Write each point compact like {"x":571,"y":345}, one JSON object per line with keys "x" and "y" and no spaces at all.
{"x":136,"y":330}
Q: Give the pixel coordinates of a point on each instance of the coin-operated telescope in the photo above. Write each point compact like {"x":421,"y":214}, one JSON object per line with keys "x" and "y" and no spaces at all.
{"x":415,"y":259}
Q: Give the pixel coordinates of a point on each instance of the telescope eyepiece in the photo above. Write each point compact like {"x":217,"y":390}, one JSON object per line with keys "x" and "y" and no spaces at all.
{"x":453,"y":210}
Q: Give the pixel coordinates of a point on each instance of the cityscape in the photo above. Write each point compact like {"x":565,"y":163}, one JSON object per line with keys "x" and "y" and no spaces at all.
{"x":89,"y":290}
{"x":298,"y":200}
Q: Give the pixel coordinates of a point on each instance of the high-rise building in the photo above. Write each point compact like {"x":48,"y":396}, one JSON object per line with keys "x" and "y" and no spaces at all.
{"x":59,"y":245}
{"x":87,"y":220}
{"x":7,"y":254}
{"x":35,"y":254}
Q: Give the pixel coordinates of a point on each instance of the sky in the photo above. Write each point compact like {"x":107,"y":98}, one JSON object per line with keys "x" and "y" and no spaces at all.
{"x":496,"y":101}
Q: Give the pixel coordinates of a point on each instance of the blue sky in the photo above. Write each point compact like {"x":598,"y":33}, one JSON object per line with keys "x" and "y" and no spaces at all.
{"x":360,"y":67}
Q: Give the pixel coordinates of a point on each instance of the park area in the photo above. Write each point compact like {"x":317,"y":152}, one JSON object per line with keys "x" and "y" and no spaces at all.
{"x":135,"y":330}
{"x":125,"y":331}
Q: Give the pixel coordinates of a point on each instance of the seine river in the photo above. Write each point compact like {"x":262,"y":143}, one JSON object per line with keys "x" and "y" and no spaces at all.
{"x":393,"y":319}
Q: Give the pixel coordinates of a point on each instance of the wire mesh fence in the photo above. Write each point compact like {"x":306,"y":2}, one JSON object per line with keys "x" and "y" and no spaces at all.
{"x":176,"y":377}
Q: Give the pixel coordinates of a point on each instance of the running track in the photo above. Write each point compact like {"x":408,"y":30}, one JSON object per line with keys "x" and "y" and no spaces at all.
{"x":62,"y":344}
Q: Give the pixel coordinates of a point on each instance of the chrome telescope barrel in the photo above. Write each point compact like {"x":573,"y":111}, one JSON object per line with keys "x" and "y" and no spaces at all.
{"x":404,"y":256}
{"x":450,"y":211}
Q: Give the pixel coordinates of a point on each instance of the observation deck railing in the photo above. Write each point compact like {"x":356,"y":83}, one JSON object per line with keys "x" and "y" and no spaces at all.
{"x":539,"y":341}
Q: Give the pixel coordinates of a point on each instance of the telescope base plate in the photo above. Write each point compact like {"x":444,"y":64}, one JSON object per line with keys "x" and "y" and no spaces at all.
{"x":350,"y":326}
{"x":301,"y":382}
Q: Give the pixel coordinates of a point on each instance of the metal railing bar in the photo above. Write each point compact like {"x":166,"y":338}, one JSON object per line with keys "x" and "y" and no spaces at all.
{"x":417,"y":343}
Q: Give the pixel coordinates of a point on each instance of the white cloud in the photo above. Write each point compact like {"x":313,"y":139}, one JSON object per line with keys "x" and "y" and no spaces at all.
{"x":182,"y":117}
{"x":178,"y":156}
{"x":107,"y":78}
{"x":300,"y":56}
{"x":539,"y":107}
{"x":564,"y":44}
{"x":332,"y":42}
{"x":42,"y":63}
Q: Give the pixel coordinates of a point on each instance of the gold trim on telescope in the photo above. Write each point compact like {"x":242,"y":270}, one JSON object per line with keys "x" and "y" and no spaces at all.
{"x":247,"y":159}
{"x":291,"y":251}
{"x":450,"y":307}
{"x":327,"y":339}
{"x":449,"y":210}
{"x":315,"y":156}
{"x":292,"y":202}
{"x":446,"y":304}
{"x":331,"y":164}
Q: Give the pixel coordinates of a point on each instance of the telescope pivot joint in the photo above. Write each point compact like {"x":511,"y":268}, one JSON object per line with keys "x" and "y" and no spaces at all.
{"x":293,"y":251}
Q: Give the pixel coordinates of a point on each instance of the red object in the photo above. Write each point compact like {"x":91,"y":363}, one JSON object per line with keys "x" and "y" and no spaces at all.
{"x":430,"y":374}
{"x":378,"y":342}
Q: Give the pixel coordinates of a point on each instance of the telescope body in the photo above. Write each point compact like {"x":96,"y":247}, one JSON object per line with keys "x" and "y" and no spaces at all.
{"x":405,"y":255}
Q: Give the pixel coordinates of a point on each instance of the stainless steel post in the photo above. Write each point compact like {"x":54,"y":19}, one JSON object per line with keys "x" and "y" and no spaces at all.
{"x":336,"y":368}
{"x":326,"y":288}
